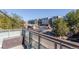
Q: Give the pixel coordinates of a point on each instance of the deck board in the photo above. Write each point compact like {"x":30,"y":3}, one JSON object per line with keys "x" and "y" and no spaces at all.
{"x":11,"y":42}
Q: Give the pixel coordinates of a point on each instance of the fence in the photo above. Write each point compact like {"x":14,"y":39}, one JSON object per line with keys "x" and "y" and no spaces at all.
{"x":38,"y":40}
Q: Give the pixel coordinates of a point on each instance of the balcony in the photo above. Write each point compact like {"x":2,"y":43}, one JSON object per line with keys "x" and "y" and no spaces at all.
{"x":31,"y":39}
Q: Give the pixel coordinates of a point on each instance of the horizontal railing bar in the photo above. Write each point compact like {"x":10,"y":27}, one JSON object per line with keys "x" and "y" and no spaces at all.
{"x":68,"y":43}
{"x":41,"y":44}
{"x":56,"y":42}
{"x":49,"y":40}
{"x":66,"y":46}
{"x":73,"y":44}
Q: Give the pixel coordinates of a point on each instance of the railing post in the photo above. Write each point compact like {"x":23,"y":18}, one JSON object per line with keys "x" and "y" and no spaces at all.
{"x":55,"y":46}
{"x":38,"y":41}
{"x":30,"y":40}
{"x":23,"y":38}
{"x":60,"y":45}
{"x":23,"y":35}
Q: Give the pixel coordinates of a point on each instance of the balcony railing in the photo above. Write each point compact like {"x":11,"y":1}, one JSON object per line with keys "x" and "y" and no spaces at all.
{"x":38,"y":40}
{"x":31,"y":39}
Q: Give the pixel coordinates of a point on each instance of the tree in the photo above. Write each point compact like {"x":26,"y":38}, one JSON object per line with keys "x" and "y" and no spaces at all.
{"x":60,"y":27}
{"x":12,"y":21}
{"x":73,"y":20}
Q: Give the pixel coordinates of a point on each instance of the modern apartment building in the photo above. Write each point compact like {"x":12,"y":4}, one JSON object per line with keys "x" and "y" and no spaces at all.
{"x":44,"y":22}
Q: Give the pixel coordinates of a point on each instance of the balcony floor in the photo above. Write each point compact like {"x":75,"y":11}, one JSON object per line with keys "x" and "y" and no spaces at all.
{"x":18,"y":47}
{"x":12,"y":42}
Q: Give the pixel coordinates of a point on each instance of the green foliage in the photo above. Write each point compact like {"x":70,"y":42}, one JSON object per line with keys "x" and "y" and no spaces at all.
{"x":60,"y":27}
{"x":73,"y":20}
{"x":12,"y":21}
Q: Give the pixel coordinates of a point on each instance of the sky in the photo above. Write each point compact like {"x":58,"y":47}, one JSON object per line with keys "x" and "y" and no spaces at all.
{"x":29,"y":14}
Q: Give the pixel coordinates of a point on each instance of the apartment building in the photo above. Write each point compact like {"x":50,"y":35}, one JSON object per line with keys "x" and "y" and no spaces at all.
{"x":43,"y":22}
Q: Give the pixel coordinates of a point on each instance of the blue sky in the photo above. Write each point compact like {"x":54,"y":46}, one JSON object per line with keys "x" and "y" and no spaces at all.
{"x":29,"y":14}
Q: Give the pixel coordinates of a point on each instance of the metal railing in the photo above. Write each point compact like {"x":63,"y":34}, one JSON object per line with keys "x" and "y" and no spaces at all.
{"x":38,"y":40}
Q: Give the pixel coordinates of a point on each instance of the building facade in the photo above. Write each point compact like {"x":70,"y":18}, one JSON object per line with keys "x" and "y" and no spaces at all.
{"x":47,"y":21}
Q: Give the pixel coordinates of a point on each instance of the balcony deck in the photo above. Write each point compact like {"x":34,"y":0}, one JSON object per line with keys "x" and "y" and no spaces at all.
{"x":31,"y":39}
{"x":13,"y":42}
{"x":11,"y":39}
{"x":18,"y":47}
